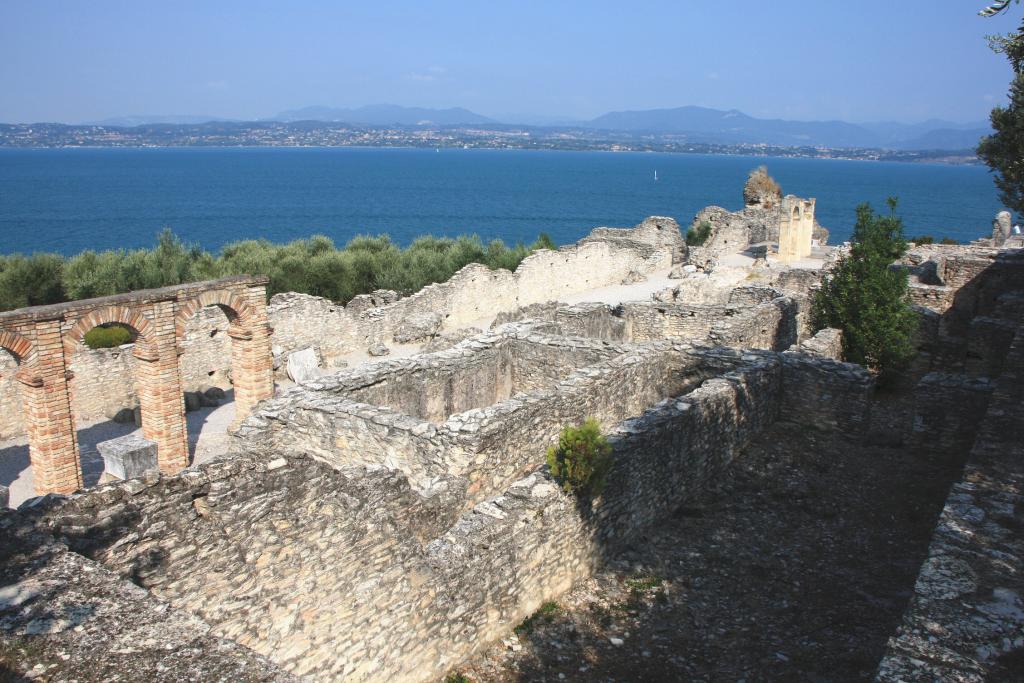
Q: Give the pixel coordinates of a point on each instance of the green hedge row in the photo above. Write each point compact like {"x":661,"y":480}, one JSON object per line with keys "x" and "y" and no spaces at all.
{"x":313,"y":266}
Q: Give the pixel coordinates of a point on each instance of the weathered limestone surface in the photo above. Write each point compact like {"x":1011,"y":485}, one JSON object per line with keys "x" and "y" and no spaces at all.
{"x":475,"y":293}
{"x":965,"y":621}
{"x":826,"y":343}
{"x":734,"y":231}
{"x":71,"y":619}
{"x":361,"y":576}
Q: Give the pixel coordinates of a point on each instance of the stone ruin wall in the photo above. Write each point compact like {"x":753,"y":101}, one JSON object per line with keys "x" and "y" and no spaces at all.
{"x":733,"y":231}
{"x":964,"y":620}
{"x":349,"y":572}
{"x":605,"y":257}
{"x":109,"y":374}
{"x":476,"y":294}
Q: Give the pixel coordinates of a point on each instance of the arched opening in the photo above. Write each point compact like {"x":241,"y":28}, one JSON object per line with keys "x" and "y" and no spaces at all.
{"x":204,"y":362}
{"x":104,"y":383}
{"x":15,"y":472}
{"x":211,"y":330}
{"x":109,"y":336}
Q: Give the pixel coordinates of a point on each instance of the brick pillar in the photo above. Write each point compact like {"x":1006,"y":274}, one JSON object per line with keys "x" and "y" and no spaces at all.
{"x":251,"y":362}
{"x":53,"y":443}
{"x":158,"y":384}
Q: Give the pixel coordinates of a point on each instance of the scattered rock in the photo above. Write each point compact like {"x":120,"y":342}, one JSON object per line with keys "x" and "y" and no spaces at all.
{"x":633,"y":277}
{"x":418,"y":326}
{"x":193,"y":401}
{"x":215,"y":394}
{"x":303,"y":365}
{"x":128,"y":457}
{"x":124,"y":416}
{"x":378,"y":349}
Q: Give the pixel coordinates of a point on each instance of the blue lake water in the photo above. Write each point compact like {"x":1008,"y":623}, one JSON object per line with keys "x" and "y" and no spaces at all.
{"x":75,"y":199}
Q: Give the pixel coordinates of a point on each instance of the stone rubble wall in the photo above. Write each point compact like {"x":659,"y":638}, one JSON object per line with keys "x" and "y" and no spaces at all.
{"x":71,"y":618}
{"x":350,"y":573}
{"x":734,"y":231}
{"x":825,"y":393}
{"x":965,"y":621}
{"x":477,"y":294}
{"x":770,"y":325}
{"x":826,"y":343}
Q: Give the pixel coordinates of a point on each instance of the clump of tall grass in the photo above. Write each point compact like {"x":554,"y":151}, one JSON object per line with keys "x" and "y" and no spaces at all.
{"x":761,"y":189}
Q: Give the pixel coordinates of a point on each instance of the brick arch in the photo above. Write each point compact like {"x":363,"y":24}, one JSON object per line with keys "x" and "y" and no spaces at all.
{"x":20,"y":347}
{"x":123,"y":315}
{"x":234,"y":306}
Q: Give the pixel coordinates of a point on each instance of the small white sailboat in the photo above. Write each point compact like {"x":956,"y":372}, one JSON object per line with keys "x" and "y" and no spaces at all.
{"x":655,"y":175}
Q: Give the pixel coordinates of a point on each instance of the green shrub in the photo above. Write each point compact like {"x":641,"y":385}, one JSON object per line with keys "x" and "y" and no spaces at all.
{"x":544,"y":241}
{"x":581,"y":459}
{"x":458,"y":678}
{"x":31,"y":280}
{"x":311,"y":266}
{"x":108,"y":336}
{"x":867,"y":298}
{"x":696,"y":237}
{"x":922,"y":239}
{"x":948,"y":240}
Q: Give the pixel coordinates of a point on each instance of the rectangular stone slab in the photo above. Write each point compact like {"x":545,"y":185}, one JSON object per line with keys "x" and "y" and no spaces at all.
{"x":128,"y":457}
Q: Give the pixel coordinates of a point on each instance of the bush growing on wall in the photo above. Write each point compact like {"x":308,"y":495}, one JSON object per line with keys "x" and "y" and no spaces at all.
{"x":581,"y":459}
{"x":867,"y":298}
{"x":108,"y":336}
{"x":761,"y":189}
{"x":695,"y":237}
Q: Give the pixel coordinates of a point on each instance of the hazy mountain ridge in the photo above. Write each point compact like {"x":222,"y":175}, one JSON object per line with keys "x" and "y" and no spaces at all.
{"x":701,"y":124}
{"x":384,"y":114}
{"x":680,"y":125}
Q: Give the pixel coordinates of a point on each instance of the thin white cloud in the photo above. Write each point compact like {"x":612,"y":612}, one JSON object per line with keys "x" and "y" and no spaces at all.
{"x":431,"y":74}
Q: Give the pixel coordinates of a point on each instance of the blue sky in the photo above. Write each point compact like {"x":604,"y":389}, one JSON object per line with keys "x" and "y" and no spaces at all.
{"x":857,"y":60}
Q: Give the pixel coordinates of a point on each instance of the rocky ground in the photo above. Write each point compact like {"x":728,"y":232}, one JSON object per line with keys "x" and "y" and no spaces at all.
{"x":797,"y":567}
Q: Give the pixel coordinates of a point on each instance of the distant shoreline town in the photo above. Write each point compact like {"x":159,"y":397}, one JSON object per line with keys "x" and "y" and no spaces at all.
{"x":462,"y":136}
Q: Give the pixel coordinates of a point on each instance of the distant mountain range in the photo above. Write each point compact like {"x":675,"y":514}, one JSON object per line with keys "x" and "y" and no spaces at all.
{"x":689,"y":124}
{"x":700,"y":124}
{"x":385,"y":115}
{"x":148,"y":120}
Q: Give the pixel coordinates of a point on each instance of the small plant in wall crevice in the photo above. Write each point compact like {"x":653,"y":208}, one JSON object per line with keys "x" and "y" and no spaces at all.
{"x":582,"y":458}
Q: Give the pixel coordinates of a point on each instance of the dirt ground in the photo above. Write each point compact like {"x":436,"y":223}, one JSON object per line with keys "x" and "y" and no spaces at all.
{"x":797,"y":567}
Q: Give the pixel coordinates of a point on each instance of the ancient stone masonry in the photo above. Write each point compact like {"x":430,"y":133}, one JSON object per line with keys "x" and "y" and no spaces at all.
{"x":386,"y":522}
{"x":787,"y":224}
{"x":392,"y":519}
{"x":45,"y":341}
{"x":965,"y":621}
{"x":474,"y":295}
{"x":796,"y":224}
